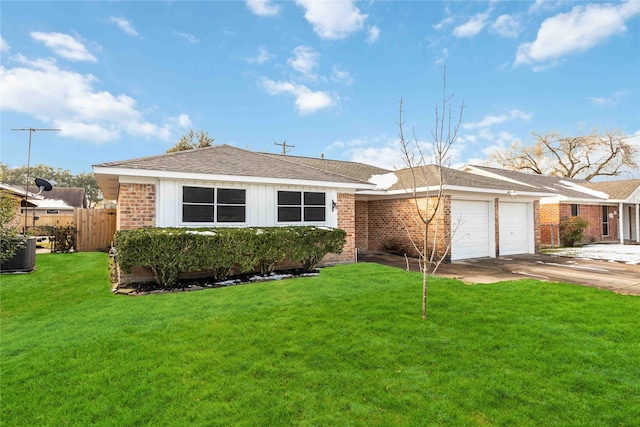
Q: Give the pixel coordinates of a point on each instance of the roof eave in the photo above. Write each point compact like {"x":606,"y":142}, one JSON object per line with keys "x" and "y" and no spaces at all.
{"x":102,"y":174}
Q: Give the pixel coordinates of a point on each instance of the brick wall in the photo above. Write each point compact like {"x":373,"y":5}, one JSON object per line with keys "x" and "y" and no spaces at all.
{"x":554,"y":214}
{"x":136,"y":206}
{"x":362,"y":225}
{"x":395,"y":224}
{"x":549,"y":215}
{"x":346,"y":222}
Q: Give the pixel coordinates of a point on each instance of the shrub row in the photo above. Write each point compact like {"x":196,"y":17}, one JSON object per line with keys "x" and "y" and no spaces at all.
{"x":168,"y":252}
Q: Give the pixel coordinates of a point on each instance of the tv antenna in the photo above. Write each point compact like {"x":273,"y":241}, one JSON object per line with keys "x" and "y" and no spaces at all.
{"x":26,"y":192}
{"x":284,"y":146}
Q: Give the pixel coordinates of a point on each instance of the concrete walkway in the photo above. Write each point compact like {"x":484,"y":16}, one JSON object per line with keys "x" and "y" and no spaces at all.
{"x":615,"y":276}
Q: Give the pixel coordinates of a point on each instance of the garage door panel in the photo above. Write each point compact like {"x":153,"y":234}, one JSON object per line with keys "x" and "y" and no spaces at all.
{"x":514,"y":231}
{"x":470,"y":229}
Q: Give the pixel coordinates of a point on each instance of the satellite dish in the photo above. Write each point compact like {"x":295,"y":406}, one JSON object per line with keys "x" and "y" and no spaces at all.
{"x":43,"y":185}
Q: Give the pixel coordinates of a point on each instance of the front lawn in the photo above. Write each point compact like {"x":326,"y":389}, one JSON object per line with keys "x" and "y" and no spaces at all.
{"x":345,"y":348}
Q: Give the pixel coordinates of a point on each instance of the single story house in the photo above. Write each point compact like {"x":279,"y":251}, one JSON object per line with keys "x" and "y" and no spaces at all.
{"x":222,"y":185}
{"x":612,"y":208}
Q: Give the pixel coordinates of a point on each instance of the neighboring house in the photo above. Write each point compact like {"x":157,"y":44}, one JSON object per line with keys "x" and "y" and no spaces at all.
{"x":227,"y":186}
{"x":17,"y":194}
{"x":608,"y":207}
{"x":60,"y":201}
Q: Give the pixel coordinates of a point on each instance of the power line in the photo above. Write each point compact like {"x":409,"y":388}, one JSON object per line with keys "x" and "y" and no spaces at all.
{"x":284,"y":146}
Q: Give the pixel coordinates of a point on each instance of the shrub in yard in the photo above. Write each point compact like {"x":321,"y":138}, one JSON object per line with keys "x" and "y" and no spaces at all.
{"x":572,"y":230}
{"x":65,"y":239}
{"x":168,"y":252}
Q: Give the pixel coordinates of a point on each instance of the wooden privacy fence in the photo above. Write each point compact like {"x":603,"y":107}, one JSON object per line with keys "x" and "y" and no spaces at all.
{"x":54,"y":220}
{"x":95,"y":229}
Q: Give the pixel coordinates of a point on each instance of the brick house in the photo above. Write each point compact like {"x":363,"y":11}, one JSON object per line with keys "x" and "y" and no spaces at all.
{"x":609,"y":207}
{"x":226,"y":186}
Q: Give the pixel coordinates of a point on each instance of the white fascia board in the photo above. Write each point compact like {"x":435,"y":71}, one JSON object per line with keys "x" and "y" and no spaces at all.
{"x":578,"y":201}
{"x":143,"y":173}
{"x":451,"y":188}
{"x":634,"y":197}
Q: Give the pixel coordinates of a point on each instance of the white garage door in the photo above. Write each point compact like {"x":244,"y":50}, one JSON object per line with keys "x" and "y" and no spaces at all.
{"x":470,"y":227}
{"x":514,"y":228}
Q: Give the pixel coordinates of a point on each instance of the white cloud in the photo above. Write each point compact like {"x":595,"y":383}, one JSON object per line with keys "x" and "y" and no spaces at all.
{"x":544,"y":5}
{"x":69,"y":100}
{"x":263,"y":7}
{"x":445,"y":22}
{"x":387,"y":157}
{"x":492,"y":120}
{"x":442,"y":59}
{"x":124,"y":25}
{"x":610,"y":100}
{"x":304,"y":61}
{"x":307,"y":101}
{"x":374,"y":34}
{"x":184,"y":121}
{"x":338,"y":75}
{"x":473,"y":26}
{"x":64,"y":45}
{"x":263,"y":56}
{"x":507,"y":26}
{"x":381,"y":151}
{"x":333,"y":20}
{"x":4,"y":46}
{"x":576,"y":31}
{"x":189,"y":37}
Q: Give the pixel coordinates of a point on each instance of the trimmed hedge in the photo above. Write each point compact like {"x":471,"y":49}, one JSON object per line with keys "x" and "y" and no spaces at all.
{"x":168,"y":252}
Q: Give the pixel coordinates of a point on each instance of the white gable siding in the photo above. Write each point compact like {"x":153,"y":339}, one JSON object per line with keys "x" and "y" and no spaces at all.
{"x":261,"y":199}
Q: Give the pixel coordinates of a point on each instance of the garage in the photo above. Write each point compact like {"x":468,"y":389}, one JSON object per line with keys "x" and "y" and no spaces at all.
{"x":514,"y":228}
{"x":471,"y":229}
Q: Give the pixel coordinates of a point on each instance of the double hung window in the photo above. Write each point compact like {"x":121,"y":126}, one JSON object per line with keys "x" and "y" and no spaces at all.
{"x":301,"y":206}
{"x":206,"y":204}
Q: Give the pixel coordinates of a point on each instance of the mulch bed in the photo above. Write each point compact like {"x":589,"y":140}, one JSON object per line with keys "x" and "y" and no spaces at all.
{"x":189,"y":285}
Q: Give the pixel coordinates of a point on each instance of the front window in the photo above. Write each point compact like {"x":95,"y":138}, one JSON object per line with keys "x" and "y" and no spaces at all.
{"x":205,"y":204}
{"x":605,"y":220}
{"x":298,"y":206}
{"x":574,"y":210}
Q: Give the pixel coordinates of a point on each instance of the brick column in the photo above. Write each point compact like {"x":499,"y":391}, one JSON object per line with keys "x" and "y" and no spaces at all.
{"x":346,"y":222}
{"x":136,"y":206}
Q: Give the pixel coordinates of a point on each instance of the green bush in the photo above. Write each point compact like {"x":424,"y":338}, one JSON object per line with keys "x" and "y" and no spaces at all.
{"x":168,"y":252}
{"x":572,"y":230}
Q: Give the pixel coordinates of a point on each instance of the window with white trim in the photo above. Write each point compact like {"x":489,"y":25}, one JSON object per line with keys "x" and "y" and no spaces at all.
{"x":207,"y":204}
{"x":301,"y":206}
{"x":605,"y":220}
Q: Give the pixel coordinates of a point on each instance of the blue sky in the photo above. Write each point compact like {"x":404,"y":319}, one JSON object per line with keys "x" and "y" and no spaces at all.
{"x":126,"y":79}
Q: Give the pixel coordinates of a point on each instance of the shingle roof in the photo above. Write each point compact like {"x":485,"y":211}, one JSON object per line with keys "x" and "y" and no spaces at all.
{"x":617,"y":190}
{"x":566,"y":187}
{"x":72,"y":196}
{"x":359,"y":171}
{"x":228,"y":160}
{"x":428,"y":176}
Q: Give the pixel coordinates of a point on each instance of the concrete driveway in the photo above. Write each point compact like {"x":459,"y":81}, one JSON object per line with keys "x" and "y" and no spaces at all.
{"x":618,"y":277}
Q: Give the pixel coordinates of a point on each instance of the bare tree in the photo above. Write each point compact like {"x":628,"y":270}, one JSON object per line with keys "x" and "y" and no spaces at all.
{"x":186,"y":141}
{"x":427,"y":185}
{"x":584,"y":156}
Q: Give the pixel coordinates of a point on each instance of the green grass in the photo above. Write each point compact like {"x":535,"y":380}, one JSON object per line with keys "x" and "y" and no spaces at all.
{"x":347,"y":348}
